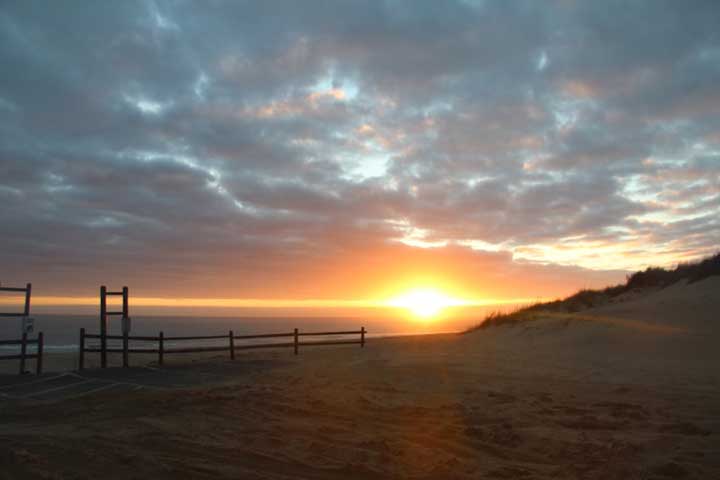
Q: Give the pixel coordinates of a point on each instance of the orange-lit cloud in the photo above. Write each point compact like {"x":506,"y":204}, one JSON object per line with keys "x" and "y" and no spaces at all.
{"x":299,"y":154}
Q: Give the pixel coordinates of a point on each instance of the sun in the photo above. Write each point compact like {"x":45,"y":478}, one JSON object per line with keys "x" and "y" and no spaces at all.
{"x":424,"y":303}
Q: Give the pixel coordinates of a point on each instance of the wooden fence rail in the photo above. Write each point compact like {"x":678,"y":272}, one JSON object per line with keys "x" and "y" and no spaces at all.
{"x":231,"y":346}
{"x":24,"y":341}
{"x":23,"y":356}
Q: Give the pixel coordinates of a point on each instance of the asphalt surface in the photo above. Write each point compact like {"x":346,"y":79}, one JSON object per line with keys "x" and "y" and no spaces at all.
{"x":53,"y":387}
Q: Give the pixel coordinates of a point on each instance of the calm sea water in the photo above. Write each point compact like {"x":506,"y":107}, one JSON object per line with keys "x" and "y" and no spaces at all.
{"x":62,"y":331}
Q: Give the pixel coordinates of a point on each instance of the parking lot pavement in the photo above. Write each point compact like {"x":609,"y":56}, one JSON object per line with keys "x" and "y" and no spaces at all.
{"x":52,"y":387}
{"x":59,"y":386}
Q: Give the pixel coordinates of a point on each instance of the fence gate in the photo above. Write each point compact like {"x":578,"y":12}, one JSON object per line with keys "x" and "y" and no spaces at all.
{"x":26,"y":327}
{"x":104,"y":313}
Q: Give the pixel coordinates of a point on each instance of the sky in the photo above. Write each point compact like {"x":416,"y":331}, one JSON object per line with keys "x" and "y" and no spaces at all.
{"x":348,"y":151}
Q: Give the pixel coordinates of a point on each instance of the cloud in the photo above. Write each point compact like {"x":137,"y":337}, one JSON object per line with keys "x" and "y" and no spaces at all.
{"x":280,"y":147}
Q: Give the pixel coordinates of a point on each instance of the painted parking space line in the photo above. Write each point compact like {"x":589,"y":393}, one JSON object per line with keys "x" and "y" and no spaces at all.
{"x":119,"y":382}
{"x":26,"y":389}
{"x":9,"y":397}
{"x":61,"y":387}
{"x":76,"y":389}
{"x":106,"y":387}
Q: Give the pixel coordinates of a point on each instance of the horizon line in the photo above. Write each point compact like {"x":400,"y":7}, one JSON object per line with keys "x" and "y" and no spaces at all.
{"x":60,"y":301}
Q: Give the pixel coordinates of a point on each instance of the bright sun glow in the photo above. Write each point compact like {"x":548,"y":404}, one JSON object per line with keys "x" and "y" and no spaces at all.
{"x":425,"y":303}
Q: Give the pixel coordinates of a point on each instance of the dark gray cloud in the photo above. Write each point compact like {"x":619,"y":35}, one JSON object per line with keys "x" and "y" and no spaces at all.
{"x":269,"y":143}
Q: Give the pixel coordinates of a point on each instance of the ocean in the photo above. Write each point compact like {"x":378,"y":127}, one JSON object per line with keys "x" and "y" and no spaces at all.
{"x":61,"y":332}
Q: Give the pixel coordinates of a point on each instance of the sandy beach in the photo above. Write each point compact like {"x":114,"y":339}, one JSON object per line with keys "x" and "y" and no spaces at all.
{"x":625,"y":391}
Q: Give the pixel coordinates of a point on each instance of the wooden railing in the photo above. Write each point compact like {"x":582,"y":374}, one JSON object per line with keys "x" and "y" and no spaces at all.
{"x":23,"y":356}
{"x":230,"y":347}
{"x":27,"y":290}
{"x":24,"y":341}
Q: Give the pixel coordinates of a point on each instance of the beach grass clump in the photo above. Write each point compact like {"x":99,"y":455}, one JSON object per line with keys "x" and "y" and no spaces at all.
{"x":650,"y":278}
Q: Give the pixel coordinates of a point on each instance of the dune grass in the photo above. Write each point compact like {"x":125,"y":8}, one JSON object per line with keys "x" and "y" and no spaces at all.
{"x":652,"y":277}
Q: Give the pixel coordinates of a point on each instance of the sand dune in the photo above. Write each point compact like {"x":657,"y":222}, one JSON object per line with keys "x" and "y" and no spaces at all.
{"x":694,"y":306}
{"x":629,"y":390}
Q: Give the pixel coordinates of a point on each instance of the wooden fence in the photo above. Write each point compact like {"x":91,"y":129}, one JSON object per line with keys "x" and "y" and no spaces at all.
{"x":230,"y":347}
{"x":24,"y":341}
{"x":23,"y":356}
{"x":27,"y":290}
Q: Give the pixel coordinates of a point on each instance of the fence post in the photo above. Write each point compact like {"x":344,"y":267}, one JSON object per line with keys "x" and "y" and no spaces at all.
{"x":232,"y":346}
{"x":39,"y":359}
{"x":23,"y":351}
{"x":125,"y":349}
{"x":125,"y":313}
{"x":81,"y":360}
{"x":28,"y":290}
{"x":296,"y":341}
{"x":362,"y":337}
{"x":126,"y":332}
{"x":103,"y":327}
{"x":161,"y":348}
